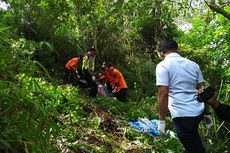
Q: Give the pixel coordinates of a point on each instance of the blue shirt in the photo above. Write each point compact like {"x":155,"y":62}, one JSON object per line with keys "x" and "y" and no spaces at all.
{"x":181,"y":76}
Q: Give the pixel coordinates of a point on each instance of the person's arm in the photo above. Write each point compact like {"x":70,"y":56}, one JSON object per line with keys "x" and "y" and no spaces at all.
{"x":162,"y":82}
{"x":200,"y":88}
{"x":117,"y":77}
{"x":74,"y":67}
{"x":221,"y":110}
{"x":207,"y":115}
{"x":200,"y":79}
{"x":162,"y":98}
{"x":68,"y":64}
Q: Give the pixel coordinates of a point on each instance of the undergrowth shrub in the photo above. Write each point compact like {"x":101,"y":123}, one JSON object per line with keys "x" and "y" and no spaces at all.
{"x":30,"y":109}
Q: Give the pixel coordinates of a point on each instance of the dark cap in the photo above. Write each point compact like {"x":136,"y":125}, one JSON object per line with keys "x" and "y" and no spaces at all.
{"x":91,"y":49}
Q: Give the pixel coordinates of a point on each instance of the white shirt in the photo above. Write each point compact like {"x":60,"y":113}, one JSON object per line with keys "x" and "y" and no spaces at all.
{"x":181,"y":76}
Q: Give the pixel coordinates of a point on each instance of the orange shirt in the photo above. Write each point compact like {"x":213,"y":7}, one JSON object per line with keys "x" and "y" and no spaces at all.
{"x":109,"y":77}
{"x":72,"y":64}
{"x":116,"y":79}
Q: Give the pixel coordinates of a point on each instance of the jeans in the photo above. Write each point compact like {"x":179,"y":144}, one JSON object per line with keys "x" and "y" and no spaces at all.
{"x":187,"y":132}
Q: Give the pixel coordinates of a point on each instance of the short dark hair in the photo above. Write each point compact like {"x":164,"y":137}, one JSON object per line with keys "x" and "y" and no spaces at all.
{"x":168,"y":44}
{"x":109,"y":64}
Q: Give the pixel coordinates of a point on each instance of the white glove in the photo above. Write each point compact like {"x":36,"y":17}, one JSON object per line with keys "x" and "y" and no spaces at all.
{"x":114,"y":91}
{"x":78,"y":76}
{"x":93,"y":78}
{"x":161,"y":128}
{"x":208,"y":121}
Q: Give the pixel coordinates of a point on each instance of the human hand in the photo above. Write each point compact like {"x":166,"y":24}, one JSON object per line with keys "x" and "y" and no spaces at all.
{"x":161,"y":128}
{"x":205,"y":94}
{"x":200,"y":90}
{"x":208,"y":121}
{"x":78,"y":76}
{"x":114,"y":90}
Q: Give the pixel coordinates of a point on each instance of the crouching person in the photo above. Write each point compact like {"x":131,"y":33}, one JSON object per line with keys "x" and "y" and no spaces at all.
{"x":116,"y":81}
{"x":72,"y":70}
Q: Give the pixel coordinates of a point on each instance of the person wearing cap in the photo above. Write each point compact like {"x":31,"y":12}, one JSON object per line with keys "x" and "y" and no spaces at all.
{"x":178,"y":80}
{"x":89,"y":61}
{"x":72,"y":69}
{"x":116,"y":81}
{"x":88,"y":65}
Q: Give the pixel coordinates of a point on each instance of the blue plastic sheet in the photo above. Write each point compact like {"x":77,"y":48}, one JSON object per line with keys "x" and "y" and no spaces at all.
{"x":146,"y":126}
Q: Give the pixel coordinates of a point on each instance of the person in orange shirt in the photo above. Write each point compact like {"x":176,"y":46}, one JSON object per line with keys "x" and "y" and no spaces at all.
{"x":72,"y":70}
{"x":116,"y":81}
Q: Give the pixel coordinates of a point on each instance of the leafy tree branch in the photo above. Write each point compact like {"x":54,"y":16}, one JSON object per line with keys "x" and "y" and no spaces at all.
{"x":218,"y":9}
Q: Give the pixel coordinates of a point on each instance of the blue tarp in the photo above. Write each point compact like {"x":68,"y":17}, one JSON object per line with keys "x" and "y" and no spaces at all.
{"x":145,"y":125}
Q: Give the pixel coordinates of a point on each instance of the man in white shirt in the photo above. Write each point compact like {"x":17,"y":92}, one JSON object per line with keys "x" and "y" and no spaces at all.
{"x":178,"y":79}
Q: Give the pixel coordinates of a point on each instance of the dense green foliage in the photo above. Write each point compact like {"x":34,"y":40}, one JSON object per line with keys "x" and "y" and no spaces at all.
{"x":40,"y":114}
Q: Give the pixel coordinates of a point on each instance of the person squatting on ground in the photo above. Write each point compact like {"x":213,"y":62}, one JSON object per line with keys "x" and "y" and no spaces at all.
{"x":178,"y":80}
{"x":88,"y":65}
{"x":209,"y":96}
{"x":72,"y":71}
{"x":116,"y":80}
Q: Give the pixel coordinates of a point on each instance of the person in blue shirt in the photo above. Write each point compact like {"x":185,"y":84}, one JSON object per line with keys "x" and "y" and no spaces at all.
{"x":178,"y":80}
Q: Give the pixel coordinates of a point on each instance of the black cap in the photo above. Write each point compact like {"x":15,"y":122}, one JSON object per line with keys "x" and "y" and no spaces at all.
{"x":91,"y":49}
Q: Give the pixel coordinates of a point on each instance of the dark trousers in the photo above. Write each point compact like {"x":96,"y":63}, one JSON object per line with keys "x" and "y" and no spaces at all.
{"x":92,"y":86}
{"x":70,"y":76}
{"x":121,"y":95}
{"x":187,"y":132}
{"x":109,"y":87}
